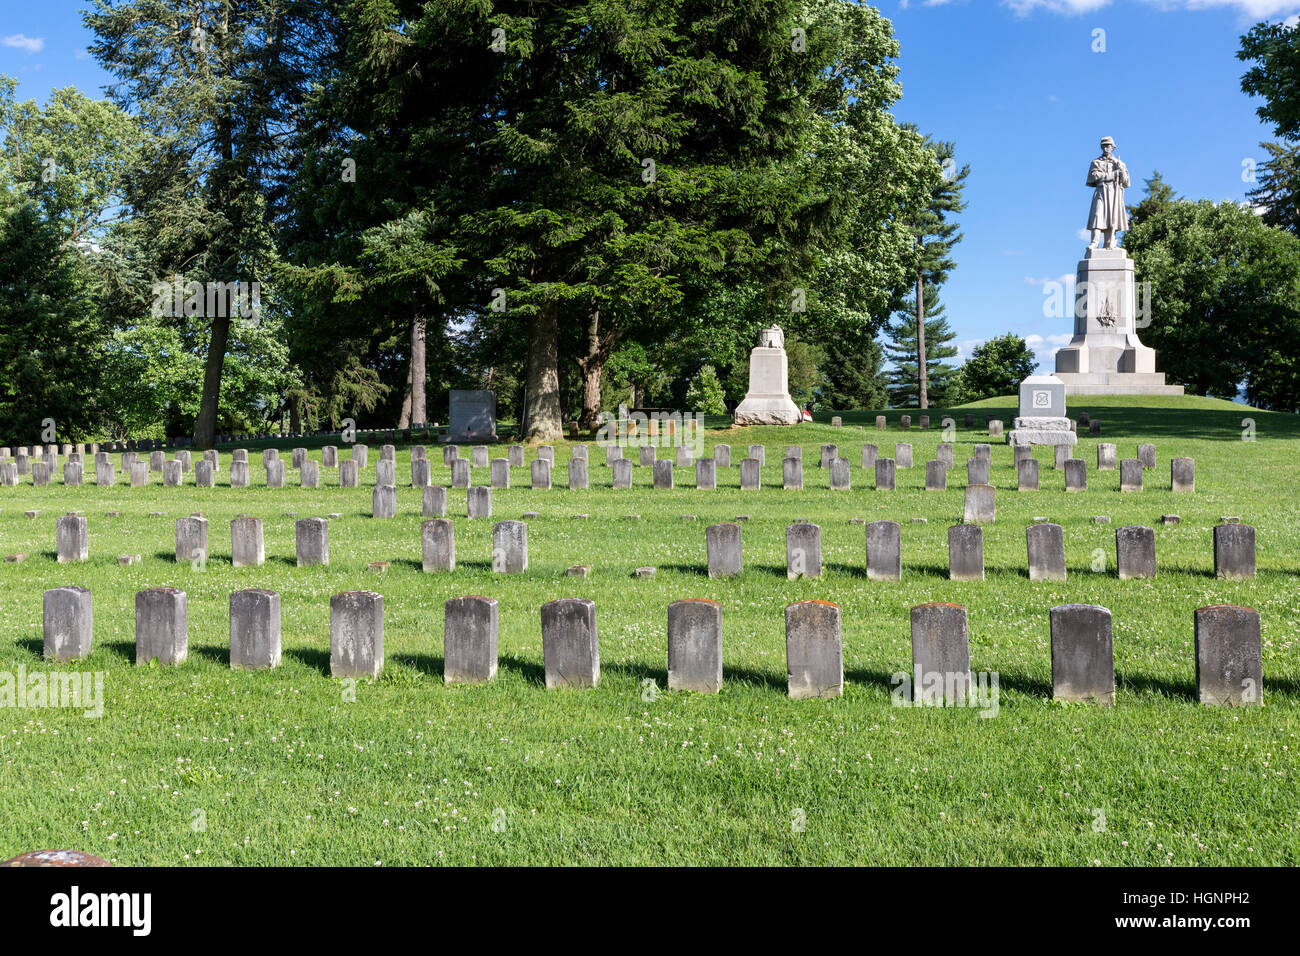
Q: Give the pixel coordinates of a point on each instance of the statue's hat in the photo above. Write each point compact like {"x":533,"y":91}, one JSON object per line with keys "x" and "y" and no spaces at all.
{"x":1107,"y":141}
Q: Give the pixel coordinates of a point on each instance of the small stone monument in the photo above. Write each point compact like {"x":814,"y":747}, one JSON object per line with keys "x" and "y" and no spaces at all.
{"x":768,"y":401}
{"x":473,"y":414}
{"x":1042,"y":419}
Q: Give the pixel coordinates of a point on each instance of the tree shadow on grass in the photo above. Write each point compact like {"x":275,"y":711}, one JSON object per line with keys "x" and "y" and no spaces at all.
{"x":1140,"y":683}
{"x":314,"y":657}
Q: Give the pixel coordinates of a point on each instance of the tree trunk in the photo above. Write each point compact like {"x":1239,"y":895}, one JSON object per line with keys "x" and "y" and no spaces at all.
{"x":922,"y":372}
{"x":404,"y":417}
{"x":419,"y":409}
{"x":205,"y":426}
{"x":295,"y":417}
{"x":592,"y":366}
{"x":543,"y":378}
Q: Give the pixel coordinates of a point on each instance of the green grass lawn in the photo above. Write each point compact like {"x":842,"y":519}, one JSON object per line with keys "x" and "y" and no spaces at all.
{"x":199,"y":765}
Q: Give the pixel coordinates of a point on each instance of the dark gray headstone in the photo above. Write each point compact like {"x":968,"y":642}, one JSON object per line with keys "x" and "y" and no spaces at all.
{"x":980,"y":505}
{"x":706,"y":474}
{"x":803,"y":551}
{"x":469,"y":640}
{"x":940,"y":654}
{"x":1076,"y":474}
{"x":792,"y":473}
{"x":936,"y":476}
{"x":420,"y":477}
{"x":297,"y":457}
{"x":438,"y":545}
{"x":510,"y":547}
{"x":72,"y":541}
{"x":312,"y":538}
{"x":1234,"y":551}
{"x":433,"y":501}
{"x":68,"y":623}
{"x":982,"y":452}
{"x":383,"y":502}
{"x":884,"y":551}
{"x":905,"y":422}
{"x":1021,"y":453}
{"x":349,"y":473}
{"x":387,"y":453}
{"x":478,"y":502}
{"x":356,"y":634}
{"x":570,"y":647}
{"x":966,"y":552}
{"x":839,"y":474}
{"x":647,"y":453}
{"x":1045,"y":543}
{"x":541,"y":474}
{"x":191,"y":539}
{"x":695,"y":645}
{"x":751,"y":478}
{"x":450,"y":453}
{"x":977,"y":471}
{"x":254,"y":629}
{"x":161,"y":626}
{"x":622,"y":473}
{"x":829,"y":452}
{"x":814,"y":650}
{"x":884,"y":474}
{"x":459,"y":473}
{"x":204,"y":475}
{"x":1229,"y":656}
{"x":1182,"y":474}
{"x":722,"y":455}
{"x":723,"y":549}
{"x":1130,"y":475}
{"x":1083,"y":658}
{"x":663,"y":477}
{"x":246,"y":544}
{"x":1147,"y":455}
{"x":1027,"y":475}
{"x":1135,"y":552}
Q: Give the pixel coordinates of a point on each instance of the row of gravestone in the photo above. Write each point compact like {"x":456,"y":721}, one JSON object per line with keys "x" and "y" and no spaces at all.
{"x":994,"y":424}
{"x":1227,"y":638}
{"x":1135,"y":547}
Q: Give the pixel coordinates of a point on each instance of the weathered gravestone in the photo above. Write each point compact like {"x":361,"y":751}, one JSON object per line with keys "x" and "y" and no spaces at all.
{"x":478,"y":502}
{"x":510,"y":547}
{"x":695,"y":645}
{"x":980,"y":504}
{"x":500,"y":473}
{"x":312,"y":541}
{"x":940,"y":654}
{"x":469,"y":640}
{"x":622,"y":477}
{"x":72,"y":473}
{"x":1182,"y":474}
{"x":383,"y":502}
{"x":829,"y":453}
{"x":1027,"y":475}
{"x":438,"y":545}
{"x":479,"y":456}
{"x":349,"y":473}
{"x":884,"y":551}
{"x":936,"y":476}
{"x":884,"y":474}
{"x":161,"y":619}
{"x":977,"y":471}
{"x":965,"y":552}
{"x":420,"y":476}
{"x":648,"y":456}
{"x":246,"y":544}
{"x":758,"y":453}
{"x":570,"y":647}
{"x":1229,"y":658}
{"x":309,"y":475}
{"x":1135,"y":552}
{"x":433,"y":501}
{"x":903,"y":454}
{"x":191,"y":539}
{"x":356,"y":634}
{"x":869,"y":455}
{"x":1045,"y":543}
{"x":254,"y":629}
{"x":1130,"y":475}
{"x":71,"y":539}
{"x":68,"y":623}
{"x":1083,"y":658}
{"x":1234,"y":551}
{"x":723,"y":549}
{"x":541,"y":474}
{"x":173,"y":476}
{"x":515,"y":455}
{"x":803,"y":551}
{"x":1147,"y":455}
{"x":1106,"y":456}
{"x":663,"y":474}
{"x":459,"y":473}
{"x":1076,"y":474}
{"x":238,"y":474}
{"x":814,"y":650}
{"x":750,"y":474}
{"x":792,"y":473}
{"x":706,"y":474}
{"x":839,"y":474}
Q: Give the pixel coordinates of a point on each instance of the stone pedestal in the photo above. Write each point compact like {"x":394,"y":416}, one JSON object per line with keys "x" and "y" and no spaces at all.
{"x":1105,"y":355}
{"x":768,"y":401}
{"x":1042,"y":419}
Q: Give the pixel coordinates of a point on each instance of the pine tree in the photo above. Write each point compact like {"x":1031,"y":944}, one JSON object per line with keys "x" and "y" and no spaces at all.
{"x":852,"y":373}
{"x":934,"y":235}
{"x":902,"y":349}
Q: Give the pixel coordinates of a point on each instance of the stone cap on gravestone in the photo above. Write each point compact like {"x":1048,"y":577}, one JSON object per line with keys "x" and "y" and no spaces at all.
{"x":1042,"y":396}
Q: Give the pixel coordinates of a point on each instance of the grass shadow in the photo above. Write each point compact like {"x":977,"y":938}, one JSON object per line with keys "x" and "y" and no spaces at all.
{"x":1141,"y":683}
{"x":430,"y":664}
{"x":218,"y":655}
{"x":314,"y":657}
{"x":531,"y":671}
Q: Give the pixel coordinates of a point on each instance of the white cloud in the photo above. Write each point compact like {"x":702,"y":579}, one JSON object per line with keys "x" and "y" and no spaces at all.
{"x":966,"y":347}
{"x":1084,"y":234}
{"x":1045,"y":347}
{"x":1256,"y":9}
{"x":82,"y":54}
{"x":22,"y":42}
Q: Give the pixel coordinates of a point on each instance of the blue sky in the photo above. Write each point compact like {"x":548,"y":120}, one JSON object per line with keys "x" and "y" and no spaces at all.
{"x":1015,"y":84}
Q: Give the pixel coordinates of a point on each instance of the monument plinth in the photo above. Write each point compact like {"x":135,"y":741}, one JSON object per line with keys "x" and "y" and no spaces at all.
{"x":768,"y":401}
{"x":1105,"y":355}
{"x":1042,"y":419}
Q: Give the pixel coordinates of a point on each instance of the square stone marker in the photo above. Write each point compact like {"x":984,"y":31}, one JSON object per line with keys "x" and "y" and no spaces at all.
{"x":570,"y":645}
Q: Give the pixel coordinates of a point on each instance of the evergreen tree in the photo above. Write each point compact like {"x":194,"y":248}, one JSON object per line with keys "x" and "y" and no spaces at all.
{"x":902,"y":349}
{"x":1277,"y":193}
{"x":934,"y":233}
{"x":1158,"y":195}
{"x":852,"y":374}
